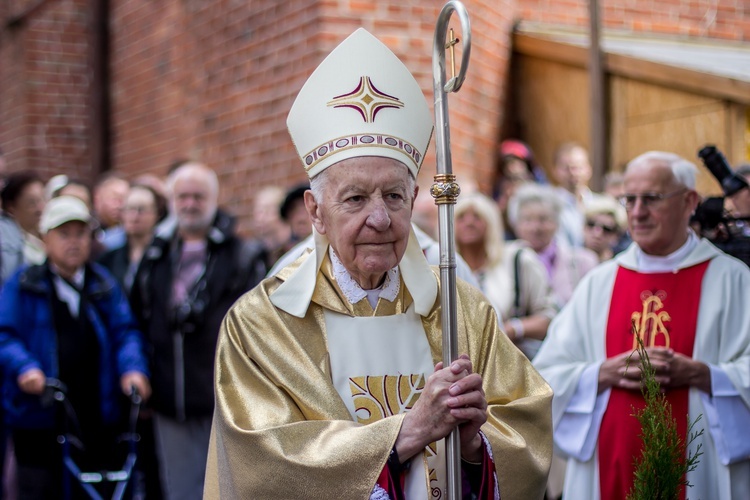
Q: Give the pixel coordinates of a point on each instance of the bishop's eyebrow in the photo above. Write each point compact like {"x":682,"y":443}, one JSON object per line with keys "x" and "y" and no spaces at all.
{"x":351,"y":189}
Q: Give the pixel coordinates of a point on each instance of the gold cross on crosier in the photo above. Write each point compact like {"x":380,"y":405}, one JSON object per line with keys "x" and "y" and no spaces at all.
{"x":451,"y":44}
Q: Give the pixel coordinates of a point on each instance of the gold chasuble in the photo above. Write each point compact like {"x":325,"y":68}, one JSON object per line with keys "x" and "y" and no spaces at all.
{"x":282,"y":430}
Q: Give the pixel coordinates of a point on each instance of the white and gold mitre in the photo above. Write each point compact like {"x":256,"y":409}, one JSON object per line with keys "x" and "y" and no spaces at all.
{"x":360,"y":101}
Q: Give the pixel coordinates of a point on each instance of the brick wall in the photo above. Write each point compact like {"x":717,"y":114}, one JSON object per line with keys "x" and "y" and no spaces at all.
{"x":214,"y":80}
{"x":721,"y":19}
{"x":45,"y":86}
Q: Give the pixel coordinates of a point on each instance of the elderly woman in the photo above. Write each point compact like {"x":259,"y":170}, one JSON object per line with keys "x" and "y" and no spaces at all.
{"x":328,"y":380}
{"x":604,"y":227}
{"x":534,"y":212}
{"x":510,"y":276}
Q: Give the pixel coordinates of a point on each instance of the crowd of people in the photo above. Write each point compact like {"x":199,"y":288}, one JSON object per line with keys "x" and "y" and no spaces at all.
{"x":325,"y":378}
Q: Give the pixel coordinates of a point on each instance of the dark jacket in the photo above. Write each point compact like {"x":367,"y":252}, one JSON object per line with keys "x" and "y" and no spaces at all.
{"x":183,"y":340}
{"x":28,"y":340}
{"x":117,"y":261}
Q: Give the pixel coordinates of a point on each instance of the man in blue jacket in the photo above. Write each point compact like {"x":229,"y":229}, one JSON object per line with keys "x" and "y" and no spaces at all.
{"x":69,"y":320}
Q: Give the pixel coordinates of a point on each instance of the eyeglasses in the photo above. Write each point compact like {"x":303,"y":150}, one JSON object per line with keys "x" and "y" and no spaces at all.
{"x":137,"y":209}
{"x":648,"y":200}
{"x":606,"y":228}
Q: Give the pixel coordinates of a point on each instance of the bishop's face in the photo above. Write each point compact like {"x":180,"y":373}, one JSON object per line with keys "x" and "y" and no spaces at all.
{"x":365,"y":212}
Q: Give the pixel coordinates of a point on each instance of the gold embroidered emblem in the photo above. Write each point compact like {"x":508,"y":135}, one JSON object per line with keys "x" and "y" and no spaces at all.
{"x":649,"y":323}
{"x":379,"y":397}
{"x":366,"y":99}
{"x":435,"y":491}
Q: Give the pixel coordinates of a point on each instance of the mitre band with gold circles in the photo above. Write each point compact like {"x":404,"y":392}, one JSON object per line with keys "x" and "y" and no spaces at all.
{"x":362,"y":141}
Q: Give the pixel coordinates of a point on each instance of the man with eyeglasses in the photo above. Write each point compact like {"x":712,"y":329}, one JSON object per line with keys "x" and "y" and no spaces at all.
{"x":687,"y":301}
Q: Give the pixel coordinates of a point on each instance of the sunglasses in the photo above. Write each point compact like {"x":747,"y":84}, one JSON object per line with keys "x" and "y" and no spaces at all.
{"x":606,"y":228}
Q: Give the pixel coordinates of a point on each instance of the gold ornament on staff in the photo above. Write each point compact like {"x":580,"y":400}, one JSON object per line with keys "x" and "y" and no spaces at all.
{"x":445,"y":190}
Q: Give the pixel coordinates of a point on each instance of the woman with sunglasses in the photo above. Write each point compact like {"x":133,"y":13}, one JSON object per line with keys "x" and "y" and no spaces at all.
{"x":603,"y":229}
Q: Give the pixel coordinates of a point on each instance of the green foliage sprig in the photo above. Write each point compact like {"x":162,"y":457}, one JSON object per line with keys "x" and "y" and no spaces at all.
{"x":664,"y":462}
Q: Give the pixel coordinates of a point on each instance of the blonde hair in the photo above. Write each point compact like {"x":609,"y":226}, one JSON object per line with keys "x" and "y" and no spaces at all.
{"x":488,"y":211}
{"x":605,"y":204}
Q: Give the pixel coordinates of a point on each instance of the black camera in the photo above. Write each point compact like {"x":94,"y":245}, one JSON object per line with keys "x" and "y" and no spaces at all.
{"x":726,"y":232}
{"x":730,"y":181}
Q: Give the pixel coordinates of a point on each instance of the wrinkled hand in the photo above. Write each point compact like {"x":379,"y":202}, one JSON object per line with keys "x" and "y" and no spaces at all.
{"x":451,"y":397}
{"x":32,"y":381}
{"x":137,"y":379}
{"x":468,"y":404}
{"x":671,"y":370}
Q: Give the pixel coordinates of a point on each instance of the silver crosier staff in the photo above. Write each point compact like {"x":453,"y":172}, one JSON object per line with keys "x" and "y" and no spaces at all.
{"x":445,"y":190}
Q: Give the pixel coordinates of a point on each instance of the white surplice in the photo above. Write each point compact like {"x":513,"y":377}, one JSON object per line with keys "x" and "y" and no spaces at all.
{"x":575,"y":348}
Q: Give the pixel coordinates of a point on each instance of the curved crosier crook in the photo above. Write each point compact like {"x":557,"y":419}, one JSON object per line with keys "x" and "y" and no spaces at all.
{"x":445,"y":190}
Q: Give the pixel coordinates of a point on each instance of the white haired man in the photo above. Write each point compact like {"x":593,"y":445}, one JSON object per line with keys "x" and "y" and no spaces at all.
{"x":190,"y":275}
{"x":327,"y":378}
{"x":687,"y":301}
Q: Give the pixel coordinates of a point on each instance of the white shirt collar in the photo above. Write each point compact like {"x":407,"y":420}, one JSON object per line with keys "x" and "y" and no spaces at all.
{"x":294,"y":295}
{"x":354,"y":293}
{"x":657,"y":264}
{"x":66,"y":292}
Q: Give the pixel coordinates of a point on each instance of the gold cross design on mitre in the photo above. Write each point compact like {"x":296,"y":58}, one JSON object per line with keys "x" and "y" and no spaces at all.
{"x":366,"y":99}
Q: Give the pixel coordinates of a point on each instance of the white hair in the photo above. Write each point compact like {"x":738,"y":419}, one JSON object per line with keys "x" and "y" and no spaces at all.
{"x":530,"y":194}
{"x":206,"y":176}
{"x":319,"y":185}
{"x":194,"y":169}
{"x":683,"y":171}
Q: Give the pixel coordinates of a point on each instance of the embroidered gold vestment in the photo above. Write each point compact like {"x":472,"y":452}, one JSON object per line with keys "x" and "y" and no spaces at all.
{"x":281,"y":430}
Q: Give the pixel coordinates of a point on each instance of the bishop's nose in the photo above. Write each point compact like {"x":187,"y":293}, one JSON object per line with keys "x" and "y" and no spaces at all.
{"x":378,"y":218}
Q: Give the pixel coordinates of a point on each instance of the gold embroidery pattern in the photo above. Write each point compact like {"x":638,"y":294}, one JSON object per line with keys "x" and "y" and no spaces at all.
{"x":366,"y":99}
{"x":435,"y":491}
{"x":649,"y":323}
{"x":379,"y":397}
{"x":367,"y":140}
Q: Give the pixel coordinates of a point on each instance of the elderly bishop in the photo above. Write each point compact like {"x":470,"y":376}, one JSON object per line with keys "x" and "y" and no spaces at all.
{"x":327,"y":378}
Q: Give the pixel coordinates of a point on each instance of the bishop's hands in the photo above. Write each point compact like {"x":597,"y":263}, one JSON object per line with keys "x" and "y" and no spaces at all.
{"x":452,"y":396}
{"x":671,"y":370}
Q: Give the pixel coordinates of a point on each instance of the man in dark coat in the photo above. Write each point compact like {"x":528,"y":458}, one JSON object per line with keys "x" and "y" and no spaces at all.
{"x":190,"y":275}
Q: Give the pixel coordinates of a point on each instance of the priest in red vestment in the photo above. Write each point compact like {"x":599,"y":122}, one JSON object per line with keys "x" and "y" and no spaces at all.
{"x":688,"y":302}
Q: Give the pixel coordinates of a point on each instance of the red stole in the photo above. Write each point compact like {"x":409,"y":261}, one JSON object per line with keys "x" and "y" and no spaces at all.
{"x":664,"y":309}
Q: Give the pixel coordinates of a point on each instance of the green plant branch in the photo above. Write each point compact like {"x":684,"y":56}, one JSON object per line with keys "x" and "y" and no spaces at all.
{"x":662,"y":468}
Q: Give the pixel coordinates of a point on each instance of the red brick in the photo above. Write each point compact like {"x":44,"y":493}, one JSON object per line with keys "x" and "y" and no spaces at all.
{"x":215,"y":80}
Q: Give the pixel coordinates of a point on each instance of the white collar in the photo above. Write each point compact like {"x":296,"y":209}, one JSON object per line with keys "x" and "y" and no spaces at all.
{"x":77,"y":278}
{"x":354,"y":292}
{"x":660,"y":264}
{"x":295,"y":294}
{"x":66,"y":292}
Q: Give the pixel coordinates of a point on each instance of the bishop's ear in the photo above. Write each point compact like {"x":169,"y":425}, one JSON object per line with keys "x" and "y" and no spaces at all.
{"x":313,"y":210}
